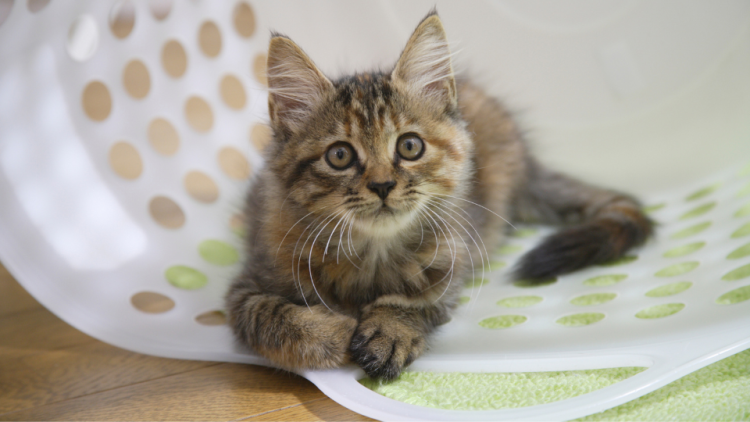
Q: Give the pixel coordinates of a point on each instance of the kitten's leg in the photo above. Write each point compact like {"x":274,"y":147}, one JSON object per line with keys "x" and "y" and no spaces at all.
{"x":290,"y":335}
{"x":605,"y":224}
{"x":392,"y":333}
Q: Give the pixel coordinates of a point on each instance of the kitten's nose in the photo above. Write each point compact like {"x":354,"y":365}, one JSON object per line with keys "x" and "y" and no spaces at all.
{"x":382,"y":189}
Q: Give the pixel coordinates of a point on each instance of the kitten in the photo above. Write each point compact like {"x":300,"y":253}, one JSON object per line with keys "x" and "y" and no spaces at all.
{"x":380,"y":193}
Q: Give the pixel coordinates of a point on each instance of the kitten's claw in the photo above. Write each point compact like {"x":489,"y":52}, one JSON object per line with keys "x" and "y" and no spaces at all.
{"x":383,"y":348}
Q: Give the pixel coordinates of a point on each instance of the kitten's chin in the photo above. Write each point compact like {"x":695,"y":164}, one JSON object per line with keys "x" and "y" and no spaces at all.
{"x":386,"y":222}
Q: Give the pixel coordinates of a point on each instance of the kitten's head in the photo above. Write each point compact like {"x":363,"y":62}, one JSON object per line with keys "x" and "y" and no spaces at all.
{"x":378,"y":147}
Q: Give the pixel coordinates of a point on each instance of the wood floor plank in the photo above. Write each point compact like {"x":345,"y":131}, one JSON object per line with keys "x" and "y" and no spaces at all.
{"x":13,"y":297}
{"x":319,"y":410}
{"x":221,"y":392}
{"x":41,"y":378}
{"x":37,"y":331}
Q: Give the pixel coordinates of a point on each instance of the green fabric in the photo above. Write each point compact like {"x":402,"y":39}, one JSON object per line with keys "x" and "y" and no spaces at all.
{"x":718,"y":392}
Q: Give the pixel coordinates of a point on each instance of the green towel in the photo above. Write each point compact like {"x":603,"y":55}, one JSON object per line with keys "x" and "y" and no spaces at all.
{"x":718,"y":392}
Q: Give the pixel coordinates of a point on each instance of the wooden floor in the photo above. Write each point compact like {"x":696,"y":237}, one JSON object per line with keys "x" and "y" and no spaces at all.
{"x":51,"y":371}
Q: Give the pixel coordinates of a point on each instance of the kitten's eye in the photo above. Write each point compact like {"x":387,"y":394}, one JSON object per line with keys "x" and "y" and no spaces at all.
{"x":410,"y":147}
{"x":340,"y":156}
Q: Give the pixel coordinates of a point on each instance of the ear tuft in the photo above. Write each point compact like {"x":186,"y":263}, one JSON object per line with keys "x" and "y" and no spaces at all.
{"x":425,"y":64}
{"x":295,"y":84}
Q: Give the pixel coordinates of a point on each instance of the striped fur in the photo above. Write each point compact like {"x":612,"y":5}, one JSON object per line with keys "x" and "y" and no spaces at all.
{"x":335,"y":273}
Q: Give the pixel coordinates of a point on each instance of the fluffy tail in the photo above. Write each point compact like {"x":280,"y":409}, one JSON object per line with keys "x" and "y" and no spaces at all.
{"x":602,"y":225}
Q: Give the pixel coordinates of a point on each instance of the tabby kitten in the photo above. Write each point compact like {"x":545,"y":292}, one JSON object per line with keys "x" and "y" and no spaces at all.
{"x":381,"y":192}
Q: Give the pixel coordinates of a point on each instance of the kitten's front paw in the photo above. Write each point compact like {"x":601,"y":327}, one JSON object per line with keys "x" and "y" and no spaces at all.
{"x":383,"y":346}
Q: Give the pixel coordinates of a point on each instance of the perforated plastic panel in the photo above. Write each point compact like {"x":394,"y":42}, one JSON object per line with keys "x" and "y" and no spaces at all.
{"x":128,"y":131}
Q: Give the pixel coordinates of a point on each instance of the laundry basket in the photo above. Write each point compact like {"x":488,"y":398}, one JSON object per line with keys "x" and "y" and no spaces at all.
{"x":129,"y":131}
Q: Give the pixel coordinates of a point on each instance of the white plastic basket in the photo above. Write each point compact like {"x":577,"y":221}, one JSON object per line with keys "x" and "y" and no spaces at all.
{"x":120,"y":197}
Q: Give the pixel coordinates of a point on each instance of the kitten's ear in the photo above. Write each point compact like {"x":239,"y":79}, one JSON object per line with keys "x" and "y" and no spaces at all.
{"x":425,"y":64}
{"x":295,"y":84}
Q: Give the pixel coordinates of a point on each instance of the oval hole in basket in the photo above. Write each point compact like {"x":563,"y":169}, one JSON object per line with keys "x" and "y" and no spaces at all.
{"x":579,"y":320}
{"x":259,"y":68}
{"x":244,"y":19}
{"x":702,"y":193}
{"x":660,"y":311}
{"x":669,"y":289}
{"x":677,"y":269}
{"x":744,"y":211}
{"x":96,"y":101}
{"x":83,"y":38}
{"x":737,"y":273}
{"x":698,"y":211}
{"x":185,"y":277}
{"x":684,"y":250}
{"x":463,"y":300}
{"x":174,"y":58}
{"x":163,"y":136}
{"x":593,"y":299}
{"x":232,"y":92}
{"x":234,"y":164}
{"x":160,"y":8}
{"x":476,"y":282}
{"x":502,"y":321}
{"x":201,"y":187}
{"x":35,"y":6}
{"x":125,"y":160}
{"x":742,"y":231}
{"x":509,"y":249}
{"x":122,"y":18}
{"x":166,"y":212}
{"x":605,"y":280}
{"x":136,"y":79}
{"x":744,"y":191}
{"x":740,"y":252}
{"x":198,"y":114}
{"x":534,"y":283}
{"x":209,"y":39}
{"x":520,"y":301}
{"x":218,"y":253}
{"x":653,"y":208}
{"x":151,"y":302}
{"x":692,"y":230}
{"x":212,"y":318}
{"x":260,"y":136}
{"x":735,"y":296}
{"x":627,"y":259}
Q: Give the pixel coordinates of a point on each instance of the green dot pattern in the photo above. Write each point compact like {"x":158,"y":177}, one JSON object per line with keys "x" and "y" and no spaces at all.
{"x":525,"y":232}
{"x":677,"y":269}
{"x":593,"y":299}
{"x":463,"y":300}
{"x":510,"y":249}
{"x":744,"y":211}
{"x":497,"y":265}
{"x":692,"y":230}
{"x":698,"y":211}
{"x":476,"y":282}
{"x":605,"y":280}
{"x":702,"y":193}
{"x":669,"y":289}
{"x":502,"y":321}
{"x":579,"y":320}
{"x":735,"y":296}
{"x":218,"y":253}
{"x":744,"y":191}
{"x":742,"y":231}
{"x":627,"y":259}
{"x":740,"y":252}
{"x":684,"y":250}
{"x":653,"y":208}
{"x":737,"y":274}
{"x":519,"y":301}
{"x":660,"y":311}
{"x":534,"y":283}
{"x":185,"y":277}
